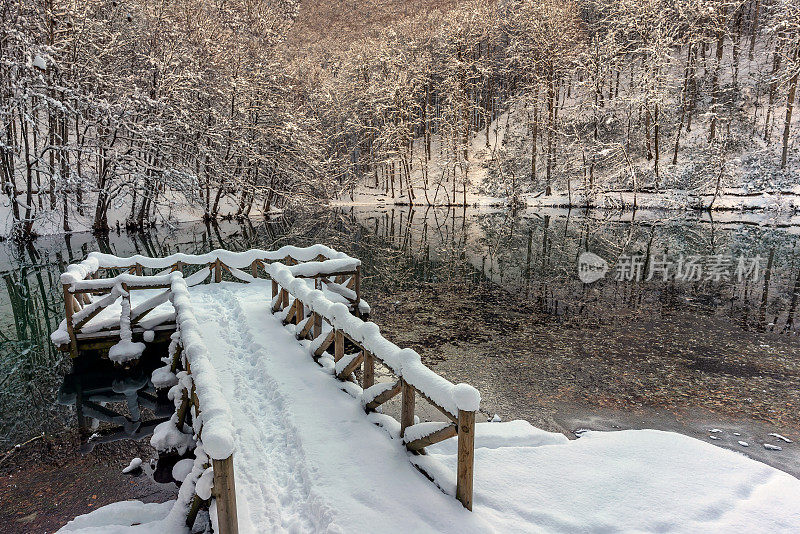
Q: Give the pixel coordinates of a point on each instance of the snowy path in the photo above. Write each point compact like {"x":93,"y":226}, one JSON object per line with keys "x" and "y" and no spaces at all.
{"x":307,"y":459}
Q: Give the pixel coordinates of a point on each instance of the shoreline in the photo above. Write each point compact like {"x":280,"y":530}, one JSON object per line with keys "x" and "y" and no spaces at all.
{"x":48,"y":482}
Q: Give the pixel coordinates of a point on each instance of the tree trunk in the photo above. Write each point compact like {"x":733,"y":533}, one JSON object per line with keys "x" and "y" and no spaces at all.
{"x":789,"y":105}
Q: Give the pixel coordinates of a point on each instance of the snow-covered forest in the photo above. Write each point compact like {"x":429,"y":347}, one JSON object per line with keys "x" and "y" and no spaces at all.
{"x":137,"y":111}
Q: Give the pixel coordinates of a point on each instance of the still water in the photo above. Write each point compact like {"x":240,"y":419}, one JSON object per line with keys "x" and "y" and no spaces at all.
{"x":492,"y":298}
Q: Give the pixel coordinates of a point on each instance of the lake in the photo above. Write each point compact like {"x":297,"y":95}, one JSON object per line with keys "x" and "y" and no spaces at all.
{"x":493,"y":298}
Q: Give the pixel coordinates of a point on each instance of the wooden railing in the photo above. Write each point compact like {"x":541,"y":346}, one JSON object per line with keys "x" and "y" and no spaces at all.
{"x":189,"y":354}
{"x":326,"y":324}
{"x":88,"y":290}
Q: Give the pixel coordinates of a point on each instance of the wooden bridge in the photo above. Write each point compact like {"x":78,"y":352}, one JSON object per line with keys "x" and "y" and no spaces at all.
{"x":119,"y":306}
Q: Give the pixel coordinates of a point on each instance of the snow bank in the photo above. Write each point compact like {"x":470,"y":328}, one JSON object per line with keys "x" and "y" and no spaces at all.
{"x":119,"y":516}
{"x":627,"y":481}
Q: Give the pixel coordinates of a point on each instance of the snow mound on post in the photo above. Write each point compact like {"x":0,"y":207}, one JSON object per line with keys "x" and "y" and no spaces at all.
{"x":163,"y":378}
{"x":125,"y":351}
{"x":467,"y":397}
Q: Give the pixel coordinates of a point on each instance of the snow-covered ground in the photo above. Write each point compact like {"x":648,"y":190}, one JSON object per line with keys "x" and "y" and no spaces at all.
{"x":171,"y":210}
{"x":307,"y":459}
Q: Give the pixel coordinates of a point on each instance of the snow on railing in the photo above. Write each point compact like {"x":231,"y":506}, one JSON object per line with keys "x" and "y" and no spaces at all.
{"x":458,"y":402}
{"x":196,"y":390}
{"x":239,"y":260}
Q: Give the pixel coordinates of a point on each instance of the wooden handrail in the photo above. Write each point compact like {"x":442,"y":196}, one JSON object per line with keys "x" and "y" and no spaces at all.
{"x":134,"y":278}
{"x":463,"y":421}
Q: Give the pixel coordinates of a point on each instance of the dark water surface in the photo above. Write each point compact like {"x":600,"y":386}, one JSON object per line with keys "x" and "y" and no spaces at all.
{"x":492,"y":298}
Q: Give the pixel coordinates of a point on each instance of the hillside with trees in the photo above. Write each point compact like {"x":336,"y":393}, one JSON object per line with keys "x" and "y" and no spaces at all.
{"x":136,"y":111}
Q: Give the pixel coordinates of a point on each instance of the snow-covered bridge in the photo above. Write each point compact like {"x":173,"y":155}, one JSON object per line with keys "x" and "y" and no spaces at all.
{"x":284,"y":392}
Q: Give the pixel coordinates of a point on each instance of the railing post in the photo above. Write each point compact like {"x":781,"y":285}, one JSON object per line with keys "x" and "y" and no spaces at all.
{"x":406,"y":407}
{"x":68,"y":311}
{"x":274,"y":288}
{"x":299,"y":312}
{"x":357,"y":289}
{"x":317,"y":324}
{"x":338,"y":340}
{"x":225,"y":494}
{"x":217,"y":271}
{"x":368,"y":378}
{"x":285,"y":297}
{"x":466,"y":457}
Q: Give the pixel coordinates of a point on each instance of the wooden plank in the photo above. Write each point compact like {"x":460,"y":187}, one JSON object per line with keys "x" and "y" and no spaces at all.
{"x":94,"y":291}
{"x":225,"y":494}
{"x":183,"y":411}
{"x":317,"y":325}
{"x":279,"y":301}
{"x":368,"y":378}
{"x":299,"y":312}
{"x":77,"y":326}
{"x":285,"y":294}
{"x":155,"y":301}
{"x":351,"y":367}
{"x":406,"y":407}
{"x":385,"y":396}
{"x":291,"y":313}
{"x":466,"y":457}
{"x":194,"y":508}
{"x":306,"y":328}
{"x":69,"y":311}
{"x":176,"y":359}
{"x":434,"y":437}
{"x":325,"y":344}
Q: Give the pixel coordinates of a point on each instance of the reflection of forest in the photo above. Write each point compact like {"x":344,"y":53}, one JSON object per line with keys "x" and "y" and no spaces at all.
{"x":536,"y":255}
{"x":495,"y":301}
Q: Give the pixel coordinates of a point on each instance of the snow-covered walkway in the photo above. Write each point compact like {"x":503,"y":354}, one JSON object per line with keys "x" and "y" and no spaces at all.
{"x":308,"y":459}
